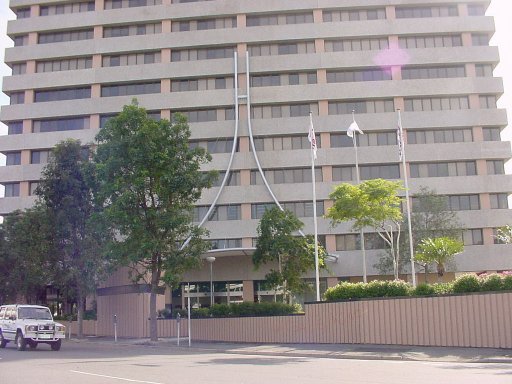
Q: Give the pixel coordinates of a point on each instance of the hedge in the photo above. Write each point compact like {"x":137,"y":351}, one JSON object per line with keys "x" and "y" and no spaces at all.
{"x":463,"y":284}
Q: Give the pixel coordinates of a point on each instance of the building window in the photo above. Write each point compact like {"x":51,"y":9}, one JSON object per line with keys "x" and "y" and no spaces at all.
{"x":203,"y":24}
{"x":348,"y":45}
{"x":499,"y":200}
{"x":15,"y":128}
{"x":368,"y":106}
{"x":282,"y":48}
{"x":440,"y":136}
{"x":22,"y":13}
{"x":116,"y":4}
{"x":358,"y":75}
{"x":32,"y":187}
{"x":202,"y":54}
{"x":219,"y":145}
{"x":436,"y":103}
{"x":232,"y":181}
{"x":132,"y":30}
{"x":487,"y":101}
{"x":476,"y":9}
{"x":20,"y":40}
{"x":130,"y":89}
{"x":59,"y":37}
{"x":64,"y":64}
{"x":283,"y":110}
{"x":286,"y":176}
{"x":13,"y":158}
{"x":12,"y":189}
{"x":64,"y":124}
{"x":473,"y":237}
{"x":40,"y":156}
{"x":17,"y":98}
{"x":388,"y":171}
{"x":62,"y":94}
{"x":433,"y":72}
{"x":280,"y":143}
{"x":225,"y":243}
{"x":304,"y":208}
{"x":432,"y":41}
{"x":19,"y":69}
{"x":420,"y":12}
{"x":495,"y":167}
{"x":139,"y":58}
{"x":219,"y":213}
{"x":354,"y":15}
{"x":480,"y":39}
{"x":463,"y":202}
{"x":443,"y":169}
{"x":491,"y":134}
{"x":61,"y":9}
{"x":484,"y":70}
{"x":186,"y":85}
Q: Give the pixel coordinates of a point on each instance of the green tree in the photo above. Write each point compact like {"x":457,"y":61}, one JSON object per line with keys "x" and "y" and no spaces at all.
{"x":440,"y":251}
{"x":66,"y":196}
{"x":373,"y":203}
{"x":294,"y":255}
{"x":149,"y":179}
{"x":504,"y":234}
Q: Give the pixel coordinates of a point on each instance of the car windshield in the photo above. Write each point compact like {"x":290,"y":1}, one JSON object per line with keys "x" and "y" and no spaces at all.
{"x":34,"y":313}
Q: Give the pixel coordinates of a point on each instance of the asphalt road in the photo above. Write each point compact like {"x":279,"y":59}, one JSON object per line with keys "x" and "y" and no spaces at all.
{"x":105,"y":363}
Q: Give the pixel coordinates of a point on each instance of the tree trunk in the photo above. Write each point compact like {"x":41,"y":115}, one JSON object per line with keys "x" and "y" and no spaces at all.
{"x":80,"y":312}
{"x":153,"y":331}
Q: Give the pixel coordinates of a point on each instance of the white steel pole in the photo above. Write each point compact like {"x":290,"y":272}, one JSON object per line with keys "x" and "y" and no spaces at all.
{"x":407,"y":202}
{"x":363,"y":250}
{"x":317,"y":272}
{"x":189,"y":321}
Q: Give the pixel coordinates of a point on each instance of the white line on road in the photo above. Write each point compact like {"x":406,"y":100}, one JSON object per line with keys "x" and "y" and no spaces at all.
{"x":115,"y":378}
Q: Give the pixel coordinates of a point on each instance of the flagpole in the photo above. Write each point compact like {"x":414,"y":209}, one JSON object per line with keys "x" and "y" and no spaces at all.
{"x":408,"y":204}
{"x":358,"y":181}
{"x":317,"y":273}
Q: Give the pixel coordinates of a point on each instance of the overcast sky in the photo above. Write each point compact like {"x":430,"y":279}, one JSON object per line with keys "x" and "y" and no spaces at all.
{"x":500,"y":9}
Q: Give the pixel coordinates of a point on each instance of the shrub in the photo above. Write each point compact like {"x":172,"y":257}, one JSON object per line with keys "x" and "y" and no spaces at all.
{"x":507,"y":282}
{"x":242,"y":309}
{"x":423,"y":290}
{"x":380,"y":288}
{"x":492,"y":282}
{"x":466,"y":283}
{"x":345,"y":291}
{"x":165,"y":313}
{"x":443,"y":288}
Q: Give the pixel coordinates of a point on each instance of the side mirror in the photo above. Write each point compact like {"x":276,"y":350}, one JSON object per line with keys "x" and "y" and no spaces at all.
{"x":13,"y":317}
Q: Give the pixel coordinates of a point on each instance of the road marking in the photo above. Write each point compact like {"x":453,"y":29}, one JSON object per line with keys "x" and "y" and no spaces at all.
{"x":114,"y":377}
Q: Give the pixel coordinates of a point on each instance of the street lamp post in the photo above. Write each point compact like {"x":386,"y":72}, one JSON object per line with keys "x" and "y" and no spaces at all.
{"x":211,"y":259}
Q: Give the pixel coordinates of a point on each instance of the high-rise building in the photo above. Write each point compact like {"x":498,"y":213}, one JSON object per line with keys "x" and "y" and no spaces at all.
{"x":247,"y":74}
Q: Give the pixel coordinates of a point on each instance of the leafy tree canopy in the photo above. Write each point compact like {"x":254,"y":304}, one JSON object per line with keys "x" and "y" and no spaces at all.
{"x":438,"y":250}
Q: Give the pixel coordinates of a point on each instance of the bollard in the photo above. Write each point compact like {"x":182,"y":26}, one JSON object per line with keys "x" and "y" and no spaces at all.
{"x":115,"y":328}
{"x":178,"y":320}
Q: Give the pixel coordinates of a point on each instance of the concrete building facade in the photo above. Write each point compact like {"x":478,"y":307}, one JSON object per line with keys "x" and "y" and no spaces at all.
{"x":76,"y":63}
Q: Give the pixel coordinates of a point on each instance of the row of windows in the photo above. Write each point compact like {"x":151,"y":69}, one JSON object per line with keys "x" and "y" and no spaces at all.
{"x":62,"y":94}
{"x":443,"y":169}
{"x":281,"y":49}
{"x":487,"y":101}
{"x":430,"y":41}
{"x":116,"y":4}
{"x":130,"y":89}
{"x":220,"y":213}
{"x":370,"y":74}
{"x":286,"y":176}
{"x":280,"y":143}
{"x":202,"y":54}
{"x":64,"y":64}
{"x":354,"y":15}
{"x":17,"y":97}
{"x":205,"y":115}
{"x":232,"y":181}
{"x":202,"y":84}
{"x":281,"y":19}
{"x":61,"y":9}
{"x":366,"y":172}
{"x":458,"y":135}
{"x":269,"y":80}
{"x":132,"y":30}
{"x":298,"y":208}
{"x":57,"y":37}
{"x":131,"y":59}
{"x":484,"y":70}
{"x":285,"y":110}
{"x":342,"y":140}
{"x":66,"y":124}
{"x":436,"y":103}
{"x":203,"y":24}
{"x":431,"y":11}
{"x":349,"y":45}
{"x":19,"y":68}
{"x":219,"y":145}
{"x":434,"y":72}
{"x":368,"y":106}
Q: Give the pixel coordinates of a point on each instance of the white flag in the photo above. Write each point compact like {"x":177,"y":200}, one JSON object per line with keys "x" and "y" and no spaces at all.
{"x":353,"y":128}
{"x":311,"y":135}
{"x":399,"y":139}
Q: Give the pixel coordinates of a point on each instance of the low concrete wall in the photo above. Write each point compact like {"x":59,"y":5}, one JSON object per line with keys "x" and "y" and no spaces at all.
{"x":476,"y":320}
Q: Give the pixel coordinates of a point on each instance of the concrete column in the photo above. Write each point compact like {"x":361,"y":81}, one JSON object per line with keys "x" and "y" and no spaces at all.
{"x":478,"y":134}
{"x":248,"y":290}
{"x":319,"y":45}
{"x":244,"y":144}
{"x":98,"y":31}
{"x":318,"y":16}
{"x":167,"y":2}
{"x":390,"y":12}
{"x":487,"y":234}
{"x":325,"y":140}
{"x":99,"y":5}
{"x":246,"y":242}
{"x":97,"y":61}
{"x":241,"y":21}
{"x":25,"y":157}
{"x":467,"y":41}
{"x":34,"y":10}
{"x":24,"y":188}
{"x":399,"y":102}
{"x":245,"y":177}
{"x":327,"y":173}
{"x":481,"y":167}
{"x":470,"y":70}
{"x":94,"y":121}
{"x":95,"y":91}
{"x":474,"y":101}
{"x":166,"y":55}
{"x":166,"y":26}
{"x":245,"y":211}
{"x":396,"y":72}
{"x":32,"y":38}
{"x":485,"y":201}
{"x":29,"y":96}
{"x":241,"y":48}
{"x":27,"y":126}
{"x":31,"y":67}
{"x":321,"y":76}
{"x":165,"y":114}
{"x":323,"y":108}
{"x":165,"y":85}
{"x":463,"y":9}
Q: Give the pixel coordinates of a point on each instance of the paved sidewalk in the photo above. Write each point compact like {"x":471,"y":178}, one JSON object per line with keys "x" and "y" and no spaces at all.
{"x":332,"y":351}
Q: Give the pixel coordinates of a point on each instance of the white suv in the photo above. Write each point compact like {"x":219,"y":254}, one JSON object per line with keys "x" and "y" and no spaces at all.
{"x":29,"y":325}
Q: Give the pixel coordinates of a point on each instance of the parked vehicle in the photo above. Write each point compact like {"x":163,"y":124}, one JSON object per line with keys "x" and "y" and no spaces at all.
{"x":29,"y":325}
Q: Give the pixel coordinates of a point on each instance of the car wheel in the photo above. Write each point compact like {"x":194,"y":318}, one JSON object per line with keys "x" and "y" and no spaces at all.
{"x":21,"y":342}
{"x":3,"y":342}
{"x":56,"y":345}
{"x":32,"y":344}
